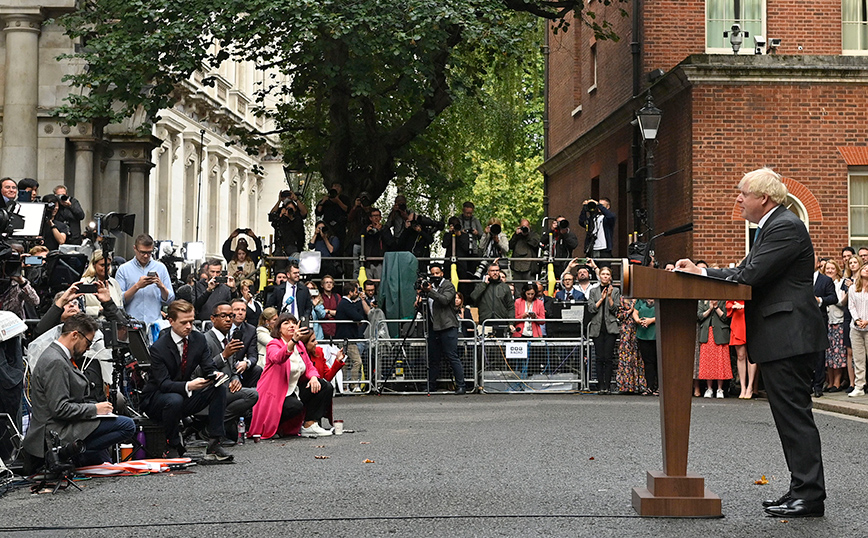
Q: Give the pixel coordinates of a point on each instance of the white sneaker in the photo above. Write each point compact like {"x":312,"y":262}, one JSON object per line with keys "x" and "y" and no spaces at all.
{"x":708,"y":393}
{"x":856,"y":392}
{"x":315,"y":430}
{"x":720,"y":393}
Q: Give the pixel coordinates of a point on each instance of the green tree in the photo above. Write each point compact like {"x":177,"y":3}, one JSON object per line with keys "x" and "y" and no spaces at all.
{"x":356,"y":83}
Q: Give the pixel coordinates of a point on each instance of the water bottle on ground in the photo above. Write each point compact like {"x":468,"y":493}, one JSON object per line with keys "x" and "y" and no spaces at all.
{"x":242,"y":431}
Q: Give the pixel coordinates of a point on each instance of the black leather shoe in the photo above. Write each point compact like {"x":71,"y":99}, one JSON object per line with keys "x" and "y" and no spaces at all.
{"x":776,"y":502}
{"x":818,"y":393}
{"x":461,"y":390}
{"x":797,"y":508}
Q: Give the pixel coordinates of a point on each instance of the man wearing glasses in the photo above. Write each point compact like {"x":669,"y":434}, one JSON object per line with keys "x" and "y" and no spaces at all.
{"x":145,"y":282}
{"x":59,"y":391}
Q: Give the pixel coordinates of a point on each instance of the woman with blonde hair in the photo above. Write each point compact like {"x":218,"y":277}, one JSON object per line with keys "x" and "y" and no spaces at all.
{"x":99,"y":268}
{"x":836,"y":354}
{"x":857,"y":302}
{"x":263,"y":331}
{"x":853,"y":264}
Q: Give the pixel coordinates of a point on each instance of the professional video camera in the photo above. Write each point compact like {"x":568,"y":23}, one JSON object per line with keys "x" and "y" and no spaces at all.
{"x":426,"y":222}
{"x":58,"y":457}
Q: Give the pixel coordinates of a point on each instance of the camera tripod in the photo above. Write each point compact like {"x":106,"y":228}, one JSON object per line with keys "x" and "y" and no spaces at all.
{"x":420,"y":312}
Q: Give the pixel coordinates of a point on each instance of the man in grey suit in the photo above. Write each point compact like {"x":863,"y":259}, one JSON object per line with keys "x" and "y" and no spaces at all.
{"x":785,"y":331}
{"x":224,"y":350}
{"x":58,"y":393}
{"x":439,"y":299}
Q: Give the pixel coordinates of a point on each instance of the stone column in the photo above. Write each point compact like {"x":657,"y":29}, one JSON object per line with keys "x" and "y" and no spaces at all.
{"x":84,"y":172}
{"x":18,"y":158}
{"x":137,"y":194}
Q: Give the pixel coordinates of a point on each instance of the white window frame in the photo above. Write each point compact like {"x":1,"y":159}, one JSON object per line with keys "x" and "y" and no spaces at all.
{"x":747,"y":47}
{"x":851,"y":52}
{"x":793,"y":204}
{"x":854,"y":171}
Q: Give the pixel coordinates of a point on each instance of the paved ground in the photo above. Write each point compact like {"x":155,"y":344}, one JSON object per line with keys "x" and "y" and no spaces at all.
{"x":477,"y":465}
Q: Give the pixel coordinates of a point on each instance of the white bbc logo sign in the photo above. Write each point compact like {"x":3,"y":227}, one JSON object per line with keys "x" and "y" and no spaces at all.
{"x":516,"y":350}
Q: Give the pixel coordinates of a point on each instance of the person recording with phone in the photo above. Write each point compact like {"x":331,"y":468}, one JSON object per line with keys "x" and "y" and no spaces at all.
{"x":215,"y":288}
{"x":437,"y":295}
{"x":290,"y":385}
{"x":172,"y":391}
{"x":228,"y":353}
{"x":99,"y":269}
{"x":146,"y":283}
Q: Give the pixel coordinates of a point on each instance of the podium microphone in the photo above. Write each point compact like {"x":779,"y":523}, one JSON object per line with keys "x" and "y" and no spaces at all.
{"x":646,"y":259}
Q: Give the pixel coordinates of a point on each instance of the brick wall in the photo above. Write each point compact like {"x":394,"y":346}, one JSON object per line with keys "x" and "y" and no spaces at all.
{"x":793,"y":128}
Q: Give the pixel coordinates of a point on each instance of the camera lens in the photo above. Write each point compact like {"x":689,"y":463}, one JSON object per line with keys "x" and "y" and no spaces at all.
{"x":333,"y":193}
{"x":64,"y":197}
{"x":525,"y":230}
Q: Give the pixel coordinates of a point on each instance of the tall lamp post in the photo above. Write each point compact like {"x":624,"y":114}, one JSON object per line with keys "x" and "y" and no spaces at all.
{"x":649,"y":117}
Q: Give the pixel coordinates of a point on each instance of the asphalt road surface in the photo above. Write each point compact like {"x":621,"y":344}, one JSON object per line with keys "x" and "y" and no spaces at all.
{"x":475,"y":465}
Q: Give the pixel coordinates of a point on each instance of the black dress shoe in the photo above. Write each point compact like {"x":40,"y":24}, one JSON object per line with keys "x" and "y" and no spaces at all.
{"x":776,"y":502}
{"x":818,"y":393}
{"x":461,"y":390}
{"x":797,"y":508}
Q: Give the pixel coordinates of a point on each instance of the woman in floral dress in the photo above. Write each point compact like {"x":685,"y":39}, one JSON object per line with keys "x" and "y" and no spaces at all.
{"x":631,"y":373}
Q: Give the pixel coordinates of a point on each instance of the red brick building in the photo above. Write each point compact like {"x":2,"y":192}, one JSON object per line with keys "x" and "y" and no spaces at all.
{"x":800,"y":107}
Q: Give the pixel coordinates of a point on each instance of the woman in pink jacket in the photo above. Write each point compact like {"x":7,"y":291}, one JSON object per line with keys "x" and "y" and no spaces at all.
{"x":527,"y":307}
{"x":290,"y":385}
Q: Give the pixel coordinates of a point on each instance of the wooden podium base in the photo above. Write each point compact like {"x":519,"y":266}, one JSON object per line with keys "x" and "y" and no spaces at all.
{"x":676,"y":496}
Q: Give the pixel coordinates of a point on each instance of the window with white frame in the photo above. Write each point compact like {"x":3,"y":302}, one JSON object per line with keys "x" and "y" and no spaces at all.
{"x":792,"y":204}
{"x":720,"y":15}
{"x":854,"y":25}
{"x":858,"y":205}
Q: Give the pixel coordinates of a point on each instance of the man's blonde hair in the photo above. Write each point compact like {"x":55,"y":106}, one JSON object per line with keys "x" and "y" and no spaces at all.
{"x":765,"y":181}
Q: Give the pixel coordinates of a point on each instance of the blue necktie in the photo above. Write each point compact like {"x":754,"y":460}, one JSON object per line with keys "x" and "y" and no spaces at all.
{"x":756,"y":234}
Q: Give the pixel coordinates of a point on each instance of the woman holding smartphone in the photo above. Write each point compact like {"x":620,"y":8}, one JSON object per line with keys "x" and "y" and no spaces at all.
{"x":290,"y":385}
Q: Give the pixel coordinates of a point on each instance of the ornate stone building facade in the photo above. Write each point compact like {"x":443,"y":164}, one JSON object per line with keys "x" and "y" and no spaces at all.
{"x":183,"y":182}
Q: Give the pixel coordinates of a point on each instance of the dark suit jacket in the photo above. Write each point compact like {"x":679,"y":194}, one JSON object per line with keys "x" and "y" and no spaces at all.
{"x":58,"y":393}
{"x":824,"y":288}
{"x":302,"y":297}
{"x":165,"y":375}
{"x":782,"y":318}
{"x":443,"y":310}
{"x":250,"y":352}
{"x":11,"y":364}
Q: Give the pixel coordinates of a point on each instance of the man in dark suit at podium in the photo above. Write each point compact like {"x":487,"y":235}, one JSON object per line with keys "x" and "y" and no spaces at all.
{"x":785,"y":331}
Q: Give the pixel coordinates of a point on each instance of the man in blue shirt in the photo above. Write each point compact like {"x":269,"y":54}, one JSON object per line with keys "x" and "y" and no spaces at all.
{"x":146,"y":283}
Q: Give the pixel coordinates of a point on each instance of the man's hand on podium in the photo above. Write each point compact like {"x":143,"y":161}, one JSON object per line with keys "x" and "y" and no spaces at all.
{"x":687,"y":266}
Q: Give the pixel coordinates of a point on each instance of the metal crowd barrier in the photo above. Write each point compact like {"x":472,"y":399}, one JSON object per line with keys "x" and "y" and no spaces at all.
{"x":543,"y":364}
{"x":365,"y":346}
{"x":402,"y":365}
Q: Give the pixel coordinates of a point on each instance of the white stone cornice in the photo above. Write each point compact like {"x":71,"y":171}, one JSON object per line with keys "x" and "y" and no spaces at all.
{"x":22,"y":19}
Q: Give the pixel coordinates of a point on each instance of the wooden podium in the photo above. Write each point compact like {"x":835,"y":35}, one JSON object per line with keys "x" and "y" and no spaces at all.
{"x":673,"y":492}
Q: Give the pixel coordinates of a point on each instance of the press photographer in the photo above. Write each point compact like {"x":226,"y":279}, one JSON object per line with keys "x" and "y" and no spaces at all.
{"x":287,"y":218}
{"x":328,"y":245}
{"x":564,"y":242}
{"x":524,"y":243}
{"x":418,"y":235}
{"x":59,"y":390}
{"x":437,"y":296}
{"x":493,"y":245}
{"x":69,"y":213}
{"x":215,"y":288}
{"x":599,"y":224}
{"x":28,"y":190}
{"x":333,"y":209}
{"x":54,"y":232}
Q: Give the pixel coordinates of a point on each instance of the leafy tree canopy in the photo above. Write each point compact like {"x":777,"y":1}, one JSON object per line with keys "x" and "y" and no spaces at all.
{"x":355,"y":83}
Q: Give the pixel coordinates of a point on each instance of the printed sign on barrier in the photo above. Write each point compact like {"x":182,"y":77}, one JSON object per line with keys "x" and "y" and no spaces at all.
{"x":516,"y":350}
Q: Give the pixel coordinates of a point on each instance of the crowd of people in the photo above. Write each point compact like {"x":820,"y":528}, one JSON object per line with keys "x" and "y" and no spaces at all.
{"x":226,"y":350}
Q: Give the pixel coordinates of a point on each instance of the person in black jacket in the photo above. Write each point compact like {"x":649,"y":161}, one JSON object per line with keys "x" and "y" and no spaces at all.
{"x":172,"y":391}
{"x":563,"y":240}
{"x":291,"y":296}
{"x":69,"y":213}
{"x":785,"y":331}
{"x":824,"y":293}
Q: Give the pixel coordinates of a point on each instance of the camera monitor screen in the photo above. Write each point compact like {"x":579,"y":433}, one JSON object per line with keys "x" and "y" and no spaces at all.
{"x":32,"y":213}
